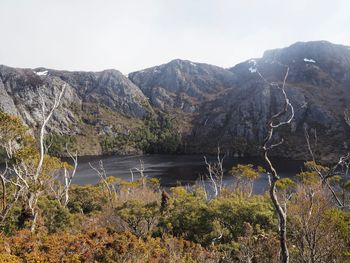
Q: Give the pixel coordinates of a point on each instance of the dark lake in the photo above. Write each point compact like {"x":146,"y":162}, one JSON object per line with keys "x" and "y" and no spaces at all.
{"x":175,"y":169}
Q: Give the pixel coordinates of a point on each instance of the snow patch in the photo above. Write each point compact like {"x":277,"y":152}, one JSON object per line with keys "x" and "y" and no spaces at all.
{"x":252,"y":68}
{"x":309,"y":60}
{"x":41,"y":73}
{"x":193,"y":64}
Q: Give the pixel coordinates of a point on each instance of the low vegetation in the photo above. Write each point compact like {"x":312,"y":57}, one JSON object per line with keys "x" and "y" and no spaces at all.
{"x":43,"y":218}
{"x":157,"y":135}
{"x":143,"y":224}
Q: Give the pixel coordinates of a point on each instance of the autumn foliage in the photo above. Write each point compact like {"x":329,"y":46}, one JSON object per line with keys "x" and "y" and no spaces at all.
{"x":138,"y":221}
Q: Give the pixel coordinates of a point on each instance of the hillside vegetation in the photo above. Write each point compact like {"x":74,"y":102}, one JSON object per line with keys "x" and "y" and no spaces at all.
{"x":121,"y":221}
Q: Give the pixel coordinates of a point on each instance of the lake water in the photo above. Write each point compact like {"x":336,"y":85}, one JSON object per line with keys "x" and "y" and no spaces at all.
{"x":172,"y":170}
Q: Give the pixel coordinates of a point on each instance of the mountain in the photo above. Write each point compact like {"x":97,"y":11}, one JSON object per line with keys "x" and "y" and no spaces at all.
{"x":182,"y":84}
{"x":180,"y":87}
{"x":230,"y":107}
{"x":206,"y":104}
{"x":94,"y":103}
{"x":318,"y":86}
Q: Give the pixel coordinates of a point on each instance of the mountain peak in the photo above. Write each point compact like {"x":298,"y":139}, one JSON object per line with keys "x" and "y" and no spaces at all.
{"x":322,"y":51}
{"x":181,"y":62}
{"x":181,"y":84}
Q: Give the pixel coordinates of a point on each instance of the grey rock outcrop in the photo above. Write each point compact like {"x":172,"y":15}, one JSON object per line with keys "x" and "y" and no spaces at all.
{"x":231,"y":107}
{"x":318,"y":86}
{"x":209,"y":104}
{"x":182,"y":84}
{"x":23,"y":90}
{"x":109,"y":88}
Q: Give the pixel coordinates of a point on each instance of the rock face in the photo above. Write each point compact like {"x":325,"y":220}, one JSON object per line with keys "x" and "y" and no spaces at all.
{"x":109,"y":88}
{"x":230,"y":107}
{"x":87,"y":93}
{"x":211,"y":105}
{"x":182,"y":84}
{"x":23,"y":91}
{"x":318,"y":86}
{"x":180,"y":87}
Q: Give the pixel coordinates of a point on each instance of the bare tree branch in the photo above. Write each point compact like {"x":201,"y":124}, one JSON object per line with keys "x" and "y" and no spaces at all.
{"x":45,"y":120}
{"x":141,"y":171}
{"x":215,"y":173}
{"x":101,"y":172}
{"x":331,"y":172}
{"x":33,"y":198}
{"x":3,"y":184}
{"x":272,"y":125}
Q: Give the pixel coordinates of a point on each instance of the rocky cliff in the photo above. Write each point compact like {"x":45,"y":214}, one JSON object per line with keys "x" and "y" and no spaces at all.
{"x":182,"y":84}
{"x":207,"y":104}
{"x":235,"y":113}
{"x":318,"y":86}
{"x":180,"y":88}
{"x":94,"y":103}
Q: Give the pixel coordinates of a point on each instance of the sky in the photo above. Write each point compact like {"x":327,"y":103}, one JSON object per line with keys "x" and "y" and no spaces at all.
{"x":131,"y":35}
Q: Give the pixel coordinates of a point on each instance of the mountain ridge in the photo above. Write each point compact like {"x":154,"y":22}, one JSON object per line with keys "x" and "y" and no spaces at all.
{"x":209,"y":105}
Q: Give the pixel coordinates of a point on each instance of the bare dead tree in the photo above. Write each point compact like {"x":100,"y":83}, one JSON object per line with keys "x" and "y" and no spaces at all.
{"x":215,"y":173}
{"x":132,"y":175}
{"x":45,"y":119}
{"x":8,"y":179}
{"x":326,"y":174}
{"x":61,"y":190}
{"x":34,"y":195}
{"x":101,"y":172}
{"x":3,"y":184}
{"x":281,"y":118}
{"x":315,"y":236}
{"x":10,"y":132}
{"x":24,"y":174}
{"x":141,"y":171}
{"x":68,"y":177}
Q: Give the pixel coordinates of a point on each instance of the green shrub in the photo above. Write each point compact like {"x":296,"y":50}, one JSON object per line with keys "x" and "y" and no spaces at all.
{"x":55,"y":217}
{"x":86,"y":199}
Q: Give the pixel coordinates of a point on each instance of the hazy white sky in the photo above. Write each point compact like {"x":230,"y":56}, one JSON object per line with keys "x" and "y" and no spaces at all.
{"x":130,"y":35}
